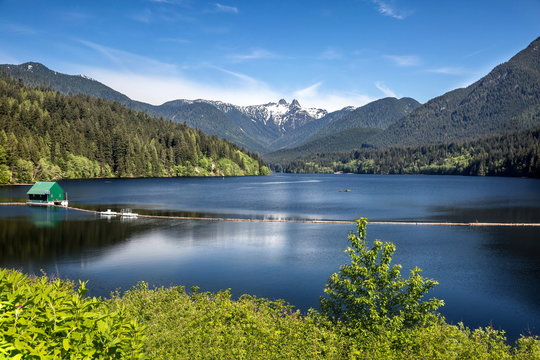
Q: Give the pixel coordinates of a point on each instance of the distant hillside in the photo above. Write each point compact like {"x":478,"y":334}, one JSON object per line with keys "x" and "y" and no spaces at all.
{"x":511,"y":154}
{"x":379,"y":114}
{"x":290,"y":140}
{"x":37,"y":75}
{"x":207,"y":118}
{"x":507,"y":99}
{"x":342,"y":141}
{"x":346,"y":129}
{"x":45,"y":136}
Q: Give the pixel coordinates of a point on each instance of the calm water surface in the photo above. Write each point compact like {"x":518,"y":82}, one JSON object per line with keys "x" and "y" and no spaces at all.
{"x":487,"y":275}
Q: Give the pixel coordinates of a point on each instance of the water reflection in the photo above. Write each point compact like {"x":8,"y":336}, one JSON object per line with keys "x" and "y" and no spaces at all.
{"x":45,"y":236}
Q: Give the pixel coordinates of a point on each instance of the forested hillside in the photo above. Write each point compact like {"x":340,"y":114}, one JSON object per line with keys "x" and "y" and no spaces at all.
{"x":505,"y":100}
{"x":45,"y":136}
{"x":207,"y":118}
{"x":342,"y":141}
{"x":36,"y":75}
{"x":379,"y":114}
{"x":514,"y":154}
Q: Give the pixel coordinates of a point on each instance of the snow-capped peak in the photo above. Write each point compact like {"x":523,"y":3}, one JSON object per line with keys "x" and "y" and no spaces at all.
{"x":282,"y":114}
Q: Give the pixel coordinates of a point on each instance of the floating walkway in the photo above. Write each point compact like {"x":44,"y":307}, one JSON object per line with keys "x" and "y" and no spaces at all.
{"x":305,"y":221}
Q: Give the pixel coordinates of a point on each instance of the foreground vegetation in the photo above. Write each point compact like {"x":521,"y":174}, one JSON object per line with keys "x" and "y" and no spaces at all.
{"x":369,"y":312}
{"x":48,"y":136}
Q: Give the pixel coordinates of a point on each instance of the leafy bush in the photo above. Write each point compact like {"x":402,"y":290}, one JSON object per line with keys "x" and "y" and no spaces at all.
{"x":371,"y":292}
{"x":44,"y":319}
{"x":204,"y":325}
{"x":441,"y":341}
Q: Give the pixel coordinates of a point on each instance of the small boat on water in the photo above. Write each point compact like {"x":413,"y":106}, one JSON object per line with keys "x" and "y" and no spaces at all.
{"x":108,"y":213}
{"x":127,"y":213}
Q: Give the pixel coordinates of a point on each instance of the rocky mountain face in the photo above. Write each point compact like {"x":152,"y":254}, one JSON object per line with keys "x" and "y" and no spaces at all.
{"x":284,"y":116}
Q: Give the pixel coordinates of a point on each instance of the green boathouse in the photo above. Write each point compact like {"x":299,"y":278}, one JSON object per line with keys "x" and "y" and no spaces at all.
{"x":47,"y":193}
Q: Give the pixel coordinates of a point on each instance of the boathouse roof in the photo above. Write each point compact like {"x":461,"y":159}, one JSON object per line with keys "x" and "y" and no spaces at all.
{"x":44,"y":187}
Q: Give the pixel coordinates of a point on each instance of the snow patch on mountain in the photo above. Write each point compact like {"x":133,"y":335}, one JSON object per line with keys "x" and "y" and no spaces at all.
{"x":282,"y":115}
{"x":86,"y":77}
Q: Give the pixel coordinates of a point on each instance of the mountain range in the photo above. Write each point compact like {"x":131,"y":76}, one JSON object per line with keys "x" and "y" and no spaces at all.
{"x":258,"y":128}
{"x":505,"y":100}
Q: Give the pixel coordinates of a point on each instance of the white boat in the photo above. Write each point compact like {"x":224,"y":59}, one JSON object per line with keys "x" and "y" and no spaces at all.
{"x":108,"y":213}
{"x":127,"y":213}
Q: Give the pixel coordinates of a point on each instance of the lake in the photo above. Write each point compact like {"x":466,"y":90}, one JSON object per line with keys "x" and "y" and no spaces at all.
{"x":487,"y":275}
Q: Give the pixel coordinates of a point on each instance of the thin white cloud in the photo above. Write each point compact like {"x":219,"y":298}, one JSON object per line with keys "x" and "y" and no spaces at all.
{"x":157,"y":89}
{"x":477,"y":52}
{"x":245,"y":78}
{"x":225,"y":8}
{"x":18,"y":28}
{"x":316,"y":96}
{"x":174,"y":2}
{"x":310,"y":91}
{"x":449,"y":70}
{"x":126,"y":61}
{"x":161,"y":15}
{"x":255,"y":54}
{"x":153,"y":81}
{"x":146,"y":16}
{"x":404,"y":60}
{"x":385,"y":89}
{"x":150,"y":80}
{"x":76,"y":16}
{"x":330,"y":54}
{"x":175,"y":40}
{"x":387,"y":8}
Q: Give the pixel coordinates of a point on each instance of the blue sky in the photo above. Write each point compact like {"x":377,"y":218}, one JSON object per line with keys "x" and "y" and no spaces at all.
{"x":327,"y":54}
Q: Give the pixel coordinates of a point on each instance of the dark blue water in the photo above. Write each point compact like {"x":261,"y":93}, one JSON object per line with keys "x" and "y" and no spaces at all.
{"x":487,"y":275}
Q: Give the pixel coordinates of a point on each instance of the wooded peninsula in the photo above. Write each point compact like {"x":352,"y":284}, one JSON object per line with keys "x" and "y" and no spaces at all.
{"x":48,"y":136}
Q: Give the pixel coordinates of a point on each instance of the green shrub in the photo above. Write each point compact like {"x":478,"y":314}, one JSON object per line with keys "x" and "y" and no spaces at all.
{"x":203,"y":325}
{"x":44,"y":319}
{"x":370,"y":292}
